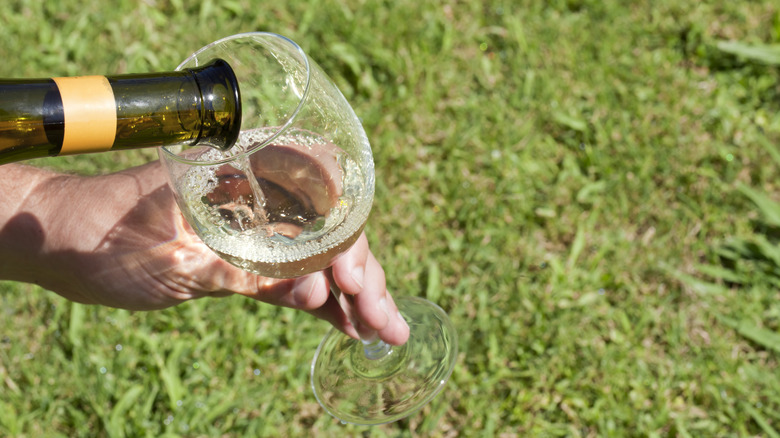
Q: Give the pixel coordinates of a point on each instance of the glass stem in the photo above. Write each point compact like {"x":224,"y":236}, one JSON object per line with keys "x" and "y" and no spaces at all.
{"x":373,"y":346}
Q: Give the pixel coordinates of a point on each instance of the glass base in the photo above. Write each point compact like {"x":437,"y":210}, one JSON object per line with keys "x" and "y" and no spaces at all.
{"x":359,"y":390}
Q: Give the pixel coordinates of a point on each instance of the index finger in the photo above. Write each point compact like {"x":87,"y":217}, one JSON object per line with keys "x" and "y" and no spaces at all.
{"x":349,"y":271}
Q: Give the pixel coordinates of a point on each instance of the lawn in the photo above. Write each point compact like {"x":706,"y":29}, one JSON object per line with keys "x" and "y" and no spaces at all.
{"x":589,"y":189}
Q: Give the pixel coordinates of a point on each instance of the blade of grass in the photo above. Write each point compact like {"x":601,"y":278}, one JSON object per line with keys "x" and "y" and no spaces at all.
{"x":749,"y":330}
{"x":76,"y":324}
{"x":170,"y":374}
{"x":721,"y":273}
{"x":702,"y":287}
{"x":118,"y":416}
{"x":770,"y":147}
{"x":768,"y":207}
{"x":433,"y":287}
{"x":764,"y":53}
{"x":761,"y":421}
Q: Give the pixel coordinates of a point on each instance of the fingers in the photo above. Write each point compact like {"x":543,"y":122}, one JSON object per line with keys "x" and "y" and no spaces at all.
{"x":396,"y":331}
{"x":332,"y":313}
{"x":357,"y":273}
{"x":305,"y":293}
{"x":310,"y":293}
{"x":375,"y":307}
{"x":373,"y":304}
{"x":349,"y":270}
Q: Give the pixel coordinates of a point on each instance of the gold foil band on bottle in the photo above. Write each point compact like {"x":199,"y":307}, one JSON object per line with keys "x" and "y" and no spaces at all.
{"x":90,"y":114}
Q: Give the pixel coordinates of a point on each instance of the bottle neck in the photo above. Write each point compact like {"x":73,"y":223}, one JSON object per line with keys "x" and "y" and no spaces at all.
{"x":65,"y":116}
{"x":194,"y":106}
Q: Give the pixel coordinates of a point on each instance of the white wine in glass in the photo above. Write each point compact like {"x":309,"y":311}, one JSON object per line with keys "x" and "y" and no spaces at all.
{"x":292,"y":195}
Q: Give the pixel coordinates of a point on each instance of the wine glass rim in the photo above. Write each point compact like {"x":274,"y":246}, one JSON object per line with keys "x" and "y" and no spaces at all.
{"x":279,"y":131}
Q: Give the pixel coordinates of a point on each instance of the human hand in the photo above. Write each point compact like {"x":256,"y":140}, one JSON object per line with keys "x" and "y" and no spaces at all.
{"x":119,"y":240}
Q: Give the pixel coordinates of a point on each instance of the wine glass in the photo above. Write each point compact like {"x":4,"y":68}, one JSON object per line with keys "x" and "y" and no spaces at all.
{"x":292,"y":195}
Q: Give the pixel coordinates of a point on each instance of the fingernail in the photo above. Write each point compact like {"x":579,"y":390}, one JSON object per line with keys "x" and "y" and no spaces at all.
{"x":304,"y":288}
{"x":358,"y":274}
{"x":383,"y":307}
{"x":401,"y":317}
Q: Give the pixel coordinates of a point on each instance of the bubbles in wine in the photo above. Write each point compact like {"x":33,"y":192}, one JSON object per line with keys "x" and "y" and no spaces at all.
{"x":283,"y":210}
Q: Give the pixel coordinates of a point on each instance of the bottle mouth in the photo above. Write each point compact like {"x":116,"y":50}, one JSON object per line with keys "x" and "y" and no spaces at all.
{"x":262,"y":42}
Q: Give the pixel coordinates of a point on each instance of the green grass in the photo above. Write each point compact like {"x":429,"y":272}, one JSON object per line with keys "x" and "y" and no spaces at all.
{"x":587,"y":187}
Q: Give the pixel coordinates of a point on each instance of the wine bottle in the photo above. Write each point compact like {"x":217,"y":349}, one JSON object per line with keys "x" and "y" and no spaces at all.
{"x":84,"y":114}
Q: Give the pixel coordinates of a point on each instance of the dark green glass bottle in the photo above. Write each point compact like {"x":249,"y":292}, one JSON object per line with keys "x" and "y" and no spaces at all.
{"x":66,"y":116}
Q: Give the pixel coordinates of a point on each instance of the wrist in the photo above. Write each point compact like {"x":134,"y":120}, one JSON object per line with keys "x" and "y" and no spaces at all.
{"x":22,"y":221}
